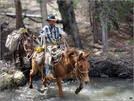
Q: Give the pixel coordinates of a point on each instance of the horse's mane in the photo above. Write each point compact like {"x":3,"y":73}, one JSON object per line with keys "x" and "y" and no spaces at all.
{"x":72,"y":51}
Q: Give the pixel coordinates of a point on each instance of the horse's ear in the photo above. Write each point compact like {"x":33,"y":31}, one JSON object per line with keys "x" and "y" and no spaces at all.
{"x":88,"y":54}
{"x":31,"y":34}
{"x":80,"y":56}
{"x":24,"y":35}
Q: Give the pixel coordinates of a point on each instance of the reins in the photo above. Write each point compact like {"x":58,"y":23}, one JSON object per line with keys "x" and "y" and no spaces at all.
{"x":65,"y":44}
{"x":76,"y":64}
{"x":24,"y":45}
{"x":82,"y":72}
{"x":74,"y":68}
{"x":25,"y":48}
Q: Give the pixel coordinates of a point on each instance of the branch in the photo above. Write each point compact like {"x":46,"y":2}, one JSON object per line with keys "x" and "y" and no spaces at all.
{"x":13,"y":15}
{"x":23,"y":14}
{"x":34,"y":20}
{"x":9,"y":15}
{"x":52,"y":6}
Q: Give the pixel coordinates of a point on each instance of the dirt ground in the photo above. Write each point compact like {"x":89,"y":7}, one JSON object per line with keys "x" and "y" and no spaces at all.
{"x":116,"y":62}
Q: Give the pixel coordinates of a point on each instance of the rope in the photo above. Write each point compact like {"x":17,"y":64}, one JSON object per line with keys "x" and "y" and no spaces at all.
{"x":58,"y":61}
{"x":26,"y":49}
{"x":75,"y":71}
{"x":65,"y":44}
{"x":31,"y":56}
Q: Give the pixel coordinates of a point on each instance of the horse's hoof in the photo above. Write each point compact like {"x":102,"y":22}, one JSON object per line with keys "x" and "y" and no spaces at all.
{"x":31,"y":86}
{"x":22,"y":66}
{"x":77,"y":91}
{"x":45,"y":88}
{"x":15,"y":64}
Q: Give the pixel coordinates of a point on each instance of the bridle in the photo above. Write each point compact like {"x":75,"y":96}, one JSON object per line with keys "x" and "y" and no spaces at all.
{"x":76,"y":66}
{"x":81,"y":72}
{"x":74,"y":69}
{"x":25,"y":47}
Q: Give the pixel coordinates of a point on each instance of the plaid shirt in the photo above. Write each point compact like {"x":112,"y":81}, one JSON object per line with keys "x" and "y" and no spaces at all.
{"x":52,"y":33}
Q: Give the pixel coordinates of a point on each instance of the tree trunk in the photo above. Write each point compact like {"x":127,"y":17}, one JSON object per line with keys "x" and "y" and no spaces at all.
{"x":96,"y":24}
{"x":43,"y":8}
{"x":69,"y":21}
{"x":19,"y":20}
{"x":104,"y":28}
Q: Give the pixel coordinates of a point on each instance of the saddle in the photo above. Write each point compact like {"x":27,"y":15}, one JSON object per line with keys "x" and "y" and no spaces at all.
{"x":39,"y":57}
{"x":56,"y":53}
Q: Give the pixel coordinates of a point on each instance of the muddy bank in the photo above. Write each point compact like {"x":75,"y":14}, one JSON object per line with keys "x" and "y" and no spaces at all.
{"x":110,"y":67}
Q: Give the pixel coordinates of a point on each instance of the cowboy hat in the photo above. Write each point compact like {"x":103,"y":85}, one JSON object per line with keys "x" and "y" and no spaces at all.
{"x":51,"y":17}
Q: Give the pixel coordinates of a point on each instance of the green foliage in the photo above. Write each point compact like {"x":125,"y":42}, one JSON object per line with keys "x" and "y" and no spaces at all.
{"x":57,"y":12}
{"x":131,"y":42}
{"x":115,"y":10}
{"x":23,"y":7}
{"x":5,"y":2}
{"x":75,"y":4}
{"x":38,"y":1}
{"x":39,"y":18}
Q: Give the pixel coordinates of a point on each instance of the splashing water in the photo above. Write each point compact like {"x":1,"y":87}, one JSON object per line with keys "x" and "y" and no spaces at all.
{"x":99,"y":89}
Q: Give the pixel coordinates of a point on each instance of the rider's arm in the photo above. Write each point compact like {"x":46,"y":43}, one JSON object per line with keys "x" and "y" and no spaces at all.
{"x":42,"y":33}
{"x":63,"y":34}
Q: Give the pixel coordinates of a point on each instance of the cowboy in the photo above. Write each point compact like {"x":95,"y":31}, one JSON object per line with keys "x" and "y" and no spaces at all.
{"x":51,"y":33}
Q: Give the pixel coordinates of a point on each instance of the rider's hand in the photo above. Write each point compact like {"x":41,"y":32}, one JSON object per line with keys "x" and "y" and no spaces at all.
{"x":63,"y":35}
{"x":43,"y":35}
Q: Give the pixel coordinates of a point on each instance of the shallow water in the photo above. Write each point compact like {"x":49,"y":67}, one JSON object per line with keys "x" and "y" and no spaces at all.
{"x":99,"y":89}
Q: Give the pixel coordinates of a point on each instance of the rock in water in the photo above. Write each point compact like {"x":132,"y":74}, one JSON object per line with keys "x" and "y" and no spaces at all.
{"x":11,"y":78}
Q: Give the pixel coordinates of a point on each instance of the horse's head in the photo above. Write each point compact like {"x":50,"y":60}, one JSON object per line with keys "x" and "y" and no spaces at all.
{"x":82,"y":66}
{"x":27,"y":42}
{"x":78,"y":59}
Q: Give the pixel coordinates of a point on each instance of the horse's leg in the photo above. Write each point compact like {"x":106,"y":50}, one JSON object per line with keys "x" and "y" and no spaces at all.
{"x":44,"y":80}
{"x":14,"y":57}
{"x":60,"y":87}
{"x":33,"y":71}
{"x":31,"y":78}
{"x":30,"y":62}
{"x":79,"y":88}
{"x":48,"y":76}
{"x":21,"y":60}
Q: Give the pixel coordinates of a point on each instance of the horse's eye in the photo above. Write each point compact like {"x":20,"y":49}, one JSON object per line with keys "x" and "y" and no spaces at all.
{"x":80,"y":66}
{"x":24,"y":38}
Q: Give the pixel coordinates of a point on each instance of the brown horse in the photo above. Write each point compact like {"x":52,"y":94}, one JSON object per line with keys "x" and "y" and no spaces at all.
{"x":24,"y":47}
{"x":70,"y":60}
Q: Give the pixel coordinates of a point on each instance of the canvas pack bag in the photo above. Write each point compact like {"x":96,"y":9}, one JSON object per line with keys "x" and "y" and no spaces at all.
{"x":39,"y":57}
{"x":12,"y":41}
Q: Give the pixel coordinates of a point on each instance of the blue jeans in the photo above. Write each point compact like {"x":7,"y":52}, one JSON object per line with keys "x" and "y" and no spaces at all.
{"x":47,"y":69}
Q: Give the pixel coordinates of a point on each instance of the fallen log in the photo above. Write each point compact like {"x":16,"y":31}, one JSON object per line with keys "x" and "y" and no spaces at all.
{"x":23,"y":14}
{"x":30,"y":16}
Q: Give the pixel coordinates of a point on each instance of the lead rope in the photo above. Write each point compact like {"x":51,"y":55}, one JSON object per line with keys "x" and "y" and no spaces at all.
{"x":31,"y":56}
{"x":32,"y":49}
{"x":65,"y":44}
{"x":43,"y":43}
{"x":75,"y":71}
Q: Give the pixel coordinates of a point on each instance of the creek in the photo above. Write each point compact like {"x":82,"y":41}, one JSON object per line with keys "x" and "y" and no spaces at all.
{"x":99,"y":89}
